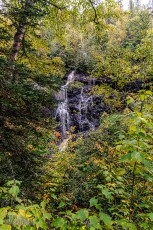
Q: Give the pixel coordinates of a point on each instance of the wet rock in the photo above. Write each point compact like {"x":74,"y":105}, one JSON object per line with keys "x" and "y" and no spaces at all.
{"x":77,"y":106}
{"x":133,"y":86}
{"x":80,"y":108}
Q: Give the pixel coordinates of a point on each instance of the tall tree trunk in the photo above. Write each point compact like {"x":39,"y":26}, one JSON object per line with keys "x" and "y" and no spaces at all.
{"x":18,"y":38}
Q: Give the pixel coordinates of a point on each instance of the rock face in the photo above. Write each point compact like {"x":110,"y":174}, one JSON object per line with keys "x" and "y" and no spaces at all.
{"x":77,"y":107}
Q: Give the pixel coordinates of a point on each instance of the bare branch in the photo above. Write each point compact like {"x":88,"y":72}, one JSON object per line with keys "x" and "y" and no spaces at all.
{"x":95,"y":12}
{"x":58,"y":7}
{"x":54,"y":5}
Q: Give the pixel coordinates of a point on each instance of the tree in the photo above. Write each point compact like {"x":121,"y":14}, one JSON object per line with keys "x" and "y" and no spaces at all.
{"x":131,"y":6}
{"x":137,"y":5}
{"x":25,"y":14}
{"x":26,"y":95}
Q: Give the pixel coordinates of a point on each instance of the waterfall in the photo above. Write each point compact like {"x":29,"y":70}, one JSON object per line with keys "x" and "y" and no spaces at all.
{"x":85,"y":102}
{"x":63,"y":108}
{"x":76,"y":106}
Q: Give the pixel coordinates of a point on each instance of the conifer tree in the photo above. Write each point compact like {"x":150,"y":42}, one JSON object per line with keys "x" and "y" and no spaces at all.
{"x":137,"y":5}
{"x":131,"y":6}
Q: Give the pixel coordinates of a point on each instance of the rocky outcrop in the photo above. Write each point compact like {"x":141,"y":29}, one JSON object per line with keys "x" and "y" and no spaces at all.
{"x":78,"y":107}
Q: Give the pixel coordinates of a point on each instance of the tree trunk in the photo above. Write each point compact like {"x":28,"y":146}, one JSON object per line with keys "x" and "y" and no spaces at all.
{"x":18,"y":38}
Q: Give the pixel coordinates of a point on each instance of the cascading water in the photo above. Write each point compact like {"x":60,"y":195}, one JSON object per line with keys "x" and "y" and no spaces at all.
{"x":65,"y":114}
{"x":62,"y":111}
{"x":78,"y":107}
{"x":85,"y":102}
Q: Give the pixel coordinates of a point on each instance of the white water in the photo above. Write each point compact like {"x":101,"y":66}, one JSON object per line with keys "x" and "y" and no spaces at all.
{"x":63,"y":109}
{"x":84,"y":103}
{"x":63,"y":144}
{"x":83,"y":111}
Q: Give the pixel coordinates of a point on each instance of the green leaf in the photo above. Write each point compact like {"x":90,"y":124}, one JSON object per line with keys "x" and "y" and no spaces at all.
{"x":126,"y":225}
{"x":13,"y":182}
{"x":54,"y":196}
{"x":131,"y":226}
{"x":137,"y":156}
{"x":10,"y":182}
{"x":150,"y":215}
{"x":120,"y":171}
{"x":94,"y":221}
{"x":3,"y":213}
{"x":92,"y":228}
{"x":126,"y":157}
{"x":47,"y":215}
{"x":61,"y":204}
{"x":107,"y":194}
{"x":129,"y":100}
{"x":14,"y":190}
{"x":93,"y":202}
{"x":142,"y":97}
{"x":144,"y":225}
{"x":106,"y":219}
{"x":82,"y":214}
{"x":149,"y":92}
{"x":41,"y":224}
{"x":148,"y":177}
{"x":59,"y":222}
{"x":43,"y":204}
{"x":18,"y":200}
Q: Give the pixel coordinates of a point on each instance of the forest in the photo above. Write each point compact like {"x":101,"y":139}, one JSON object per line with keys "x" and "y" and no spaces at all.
{"x":76,"y":115}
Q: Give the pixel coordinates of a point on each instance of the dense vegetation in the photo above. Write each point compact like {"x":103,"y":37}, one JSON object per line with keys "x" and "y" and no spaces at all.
{"x":103,"y":179}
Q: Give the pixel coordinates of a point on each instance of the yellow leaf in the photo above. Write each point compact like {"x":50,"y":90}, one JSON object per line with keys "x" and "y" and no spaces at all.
{"x":132,"y":128}
{"x":22,"y":212}
{"x":138,"y":113}
{"x":5,"y":227}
